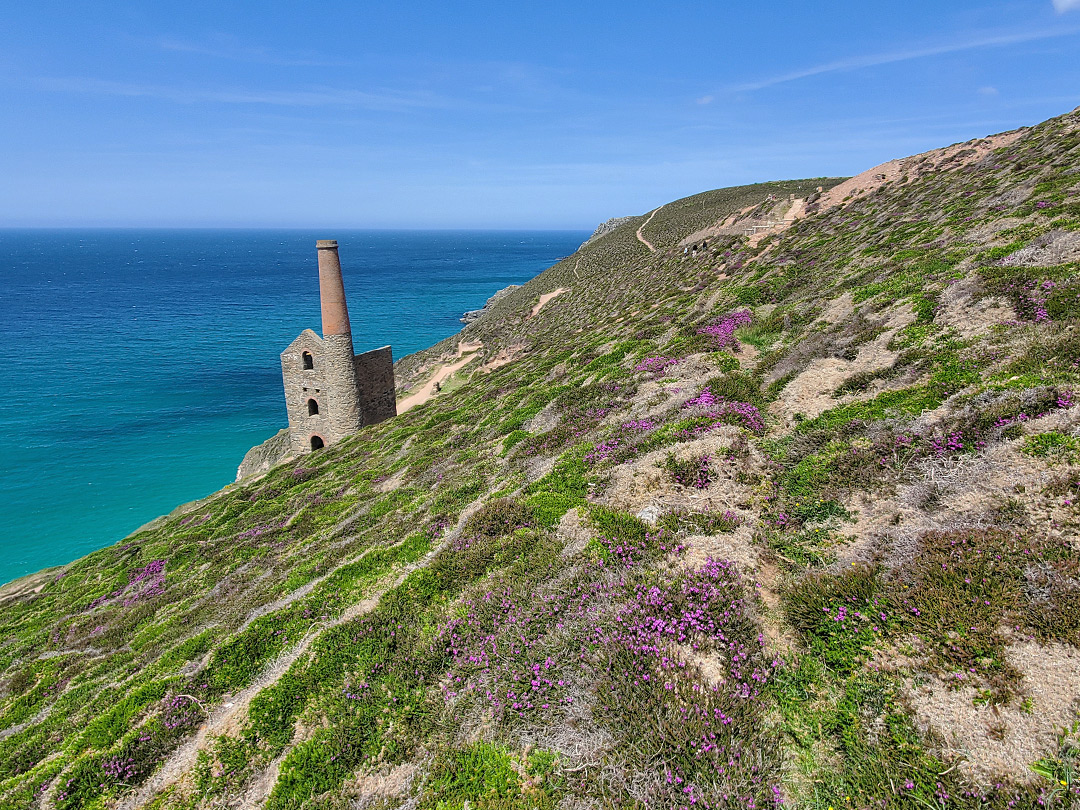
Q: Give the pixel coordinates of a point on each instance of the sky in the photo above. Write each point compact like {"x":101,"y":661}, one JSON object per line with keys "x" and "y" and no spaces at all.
{"x":491,"y":115}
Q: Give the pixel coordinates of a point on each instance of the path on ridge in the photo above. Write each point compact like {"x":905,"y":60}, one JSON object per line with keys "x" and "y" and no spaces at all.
{"x":641,"y":238}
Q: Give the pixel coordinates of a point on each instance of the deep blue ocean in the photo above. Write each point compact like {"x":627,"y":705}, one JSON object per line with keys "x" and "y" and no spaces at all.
{"x":139,"y":366}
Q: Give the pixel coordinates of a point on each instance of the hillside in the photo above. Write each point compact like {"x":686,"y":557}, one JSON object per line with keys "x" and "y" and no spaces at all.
{"x":786,"y":518}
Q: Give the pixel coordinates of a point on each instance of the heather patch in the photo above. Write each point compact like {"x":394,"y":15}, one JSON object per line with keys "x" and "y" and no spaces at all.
{"x":581,"y":411}
{"x":963,"y":588}
{"x":722,"y":331}
{"x":710,"y":740}
{"x":656,"y":366}
{"x":852,"y":447}
{"x":626,"y":442}
{"x":841,"y":618}
{"x":713,"y":410}
{"x":957,"y":596}
{"x":509,"y":655}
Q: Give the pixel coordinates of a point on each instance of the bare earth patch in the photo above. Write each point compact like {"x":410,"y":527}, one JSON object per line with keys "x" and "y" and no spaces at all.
{"x":810,"y":393}
{"x":430,"y":388}
{"x":642,"y":483}
{"x":957,"y":155}
{"x":504,"y":357}
{"x":996,"y":740}
{"x":388,"y":783}
{"x":544,"y":299}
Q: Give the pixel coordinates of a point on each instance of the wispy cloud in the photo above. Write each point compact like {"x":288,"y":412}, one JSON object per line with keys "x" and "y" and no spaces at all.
{"x":315,"y":97}
{"x":237,"y":52}
{"x":1061,"y":6}
{"x":907,"y":55}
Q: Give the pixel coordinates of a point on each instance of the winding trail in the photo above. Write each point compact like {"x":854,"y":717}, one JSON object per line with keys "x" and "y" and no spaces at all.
{"x":465,"y":352}
{"x":642,"y":239}
{"x":544,"y":299}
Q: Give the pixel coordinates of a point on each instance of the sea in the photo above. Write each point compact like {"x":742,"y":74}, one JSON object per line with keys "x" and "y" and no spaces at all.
{"x":140,"y":365}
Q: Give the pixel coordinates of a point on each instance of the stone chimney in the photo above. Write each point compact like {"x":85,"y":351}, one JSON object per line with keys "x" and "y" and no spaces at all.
{"x":341,"y":381}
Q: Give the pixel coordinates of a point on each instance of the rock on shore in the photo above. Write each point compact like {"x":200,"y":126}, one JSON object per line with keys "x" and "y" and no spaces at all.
{"x":473,"y":314}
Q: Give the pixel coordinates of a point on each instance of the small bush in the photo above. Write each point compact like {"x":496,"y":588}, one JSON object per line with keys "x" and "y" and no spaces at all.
{"x":695,"y":471}
{"x":497,"y":518}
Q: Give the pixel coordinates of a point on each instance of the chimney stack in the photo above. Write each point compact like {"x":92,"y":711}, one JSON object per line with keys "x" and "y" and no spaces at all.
{"x":337,"y":358}
{"x":335,"y":313}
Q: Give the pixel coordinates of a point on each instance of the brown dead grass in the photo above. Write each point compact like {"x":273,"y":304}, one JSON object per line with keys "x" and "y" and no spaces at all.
{"x":994,"y":740}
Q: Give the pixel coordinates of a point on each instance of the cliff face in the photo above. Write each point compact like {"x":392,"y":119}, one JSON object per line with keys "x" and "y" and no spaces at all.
{"x":473,"y":314}
{"x":606,"y":227}
{"x":262,"y":457}
{"x":793,"y":518}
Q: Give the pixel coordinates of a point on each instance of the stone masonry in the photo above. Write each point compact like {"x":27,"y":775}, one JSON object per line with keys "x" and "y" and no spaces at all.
{"x":330,"y":392}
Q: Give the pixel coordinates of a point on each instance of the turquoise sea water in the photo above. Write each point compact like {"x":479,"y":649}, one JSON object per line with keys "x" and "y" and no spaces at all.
{"x":141,"y":365}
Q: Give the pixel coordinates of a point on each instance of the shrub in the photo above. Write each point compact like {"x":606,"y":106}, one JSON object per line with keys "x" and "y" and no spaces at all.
{"x":695,"y":471}
{"x":497,"y":518}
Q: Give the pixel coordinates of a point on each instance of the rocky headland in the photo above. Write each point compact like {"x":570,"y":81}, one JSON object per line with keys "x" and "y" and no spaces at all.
{"x":473,"y":314}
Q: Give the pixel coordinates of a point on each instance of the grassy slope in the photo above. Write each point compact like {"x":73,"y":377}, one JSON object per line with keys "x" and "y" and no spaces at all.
{"x":408,"y":603}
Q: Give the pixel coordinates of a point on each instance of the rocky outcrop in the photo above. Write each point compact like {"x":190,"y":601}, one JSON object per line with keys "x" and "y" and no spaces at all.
{"x":605,"y":228}
{"x":473,"y":314}
{"x":262,"y":457}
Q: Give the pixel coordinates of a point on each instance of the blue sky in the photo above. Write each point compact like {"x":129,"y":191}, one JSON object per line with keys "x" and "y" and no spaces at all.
{"x":491,"y":115}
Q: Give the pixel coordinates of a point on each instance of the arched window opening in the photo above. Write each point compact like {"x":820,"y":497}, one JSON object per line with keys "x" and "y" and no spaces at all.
{"x":317,"y":443}
{"x":312,"y":407}
{"x":309,"y":361}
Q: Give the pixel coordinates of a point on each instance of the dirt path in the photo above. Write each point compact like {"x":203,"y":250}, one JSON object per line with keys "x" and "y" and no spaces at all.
{"x":641,"y":238}
{"x":545,"y":298}
{"x":465,"y":352}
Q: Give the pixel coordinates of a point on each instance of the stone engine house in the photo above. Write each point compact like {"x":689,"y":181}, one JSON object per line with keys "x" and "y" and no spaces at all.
{"x":331,"y":393}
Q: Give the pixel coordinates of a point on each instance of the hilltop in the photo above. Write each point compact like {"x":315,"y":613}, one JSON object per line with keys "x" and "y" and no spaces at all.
{"x":767,"y":496}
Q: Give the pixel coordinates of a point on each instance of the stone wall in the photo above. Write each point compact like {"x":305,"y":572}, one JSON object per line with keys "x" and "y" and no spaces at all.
{"x":375,"y":385}
{"x":302,"y":385}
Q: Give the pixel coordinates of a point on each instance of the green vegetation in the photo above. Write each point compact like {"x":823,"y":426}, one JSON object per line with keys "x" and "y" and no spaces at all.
{"x":411,"y":617}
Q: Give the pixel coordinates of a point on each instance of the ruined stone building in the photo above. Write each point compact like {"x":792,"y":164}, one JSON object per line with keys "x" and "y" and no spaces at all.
{"x":331,"y":393}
